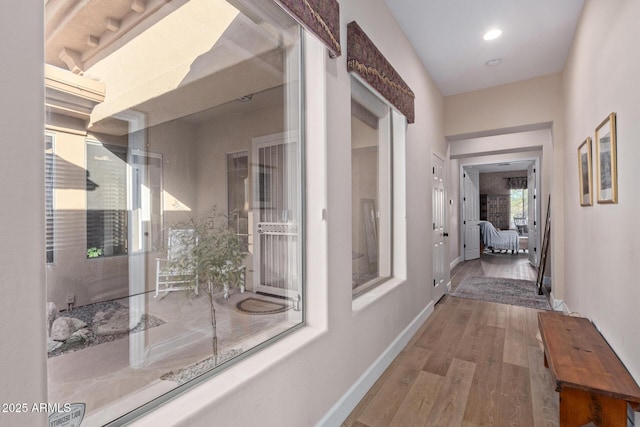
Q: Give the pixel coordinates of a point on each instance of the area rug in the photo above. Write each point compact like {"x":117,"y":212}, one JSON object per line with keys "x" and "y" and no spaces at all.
{"x":253,"y":305}
{"x":502,"y":291}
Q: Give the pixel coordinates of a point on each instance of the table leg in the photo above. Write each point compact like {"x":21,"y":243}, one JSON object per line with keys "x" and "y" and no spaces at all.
{"x":578,"y":408}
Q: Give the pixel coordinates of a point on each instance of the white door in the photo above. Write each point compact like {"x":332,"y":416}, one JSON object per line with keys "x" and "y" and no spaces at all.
{"x":471,"y":213}
{"x":439,"y":245}
{"x":276,"y":215}
{"x":532,"y":218}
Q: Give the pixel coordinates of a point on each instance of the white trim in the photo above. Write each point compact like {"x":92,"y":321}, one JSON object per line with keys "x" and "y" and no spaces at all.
{"x":455,"y":262}
{"x":343,"y":407}
{"x":558,"y":304}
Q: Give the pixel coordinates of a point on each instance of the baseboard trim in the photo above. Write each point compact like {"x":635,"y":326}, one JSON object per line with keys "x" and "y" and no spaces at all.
{"x":454,"y":263}
{"x":558,"y":304}
{"x":346,"y":404}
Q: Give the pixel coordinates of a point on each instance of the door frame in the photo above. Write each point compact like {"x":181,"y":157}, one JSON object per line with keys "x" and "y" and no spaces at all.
{"x":440,"y":288}
{"x":536,"y":160}
{"x":256,"y":144}
{"x":535,"y":247}
{"x":463,"y":213}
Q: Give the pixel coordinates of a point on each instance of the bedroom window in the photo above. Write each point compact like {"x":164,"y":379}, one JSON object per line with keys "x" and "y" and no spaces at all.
{"x":519,"y":210}
{"x":371,"y":184}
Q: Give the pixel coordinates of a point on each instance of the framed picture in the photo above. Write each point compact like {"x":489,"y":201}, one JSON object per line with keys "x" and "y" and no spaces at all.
{"x":607,"y":178}
{"x":584,"y":173}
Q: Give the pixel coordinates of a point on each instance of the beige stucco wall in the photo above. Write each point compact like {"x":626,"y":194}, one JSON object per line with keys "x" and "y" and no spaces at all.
{"x":230,"y":134}
{"x":105,"y":278}
{"x":602,"y":253}
{"x":89,"y":280}
{"x":193,"y":180}
{"x":23,"y":367}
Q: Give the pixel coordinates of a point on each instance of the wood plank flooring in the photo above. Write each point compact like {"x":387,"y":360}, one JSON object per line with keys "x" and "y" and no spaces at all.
{"x":472,"y":363}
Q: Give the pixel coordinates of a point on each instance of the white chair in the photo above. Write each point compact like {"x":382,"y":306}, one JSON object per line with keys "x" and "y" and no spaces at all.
{"x":176,"y":273}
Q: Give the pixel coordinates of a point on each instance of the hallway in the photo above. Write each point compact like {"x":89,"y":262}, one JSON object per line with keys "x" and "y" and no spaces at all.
{"x":472,"y":363}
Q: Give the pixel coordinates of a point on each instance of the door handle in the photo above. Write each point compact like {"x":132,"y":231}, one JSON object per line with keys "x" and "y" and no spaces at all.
{"x":445,"y":234}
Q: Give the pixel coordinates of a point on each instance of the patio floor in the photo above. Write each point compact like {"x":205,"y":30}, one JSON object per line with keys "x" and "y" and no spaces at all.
{"x":103,"y":377}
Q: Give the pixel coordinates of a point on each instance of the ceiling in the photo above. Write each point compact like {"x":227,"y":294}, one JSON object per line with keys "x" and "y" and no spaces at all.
{"x":447,"y":35}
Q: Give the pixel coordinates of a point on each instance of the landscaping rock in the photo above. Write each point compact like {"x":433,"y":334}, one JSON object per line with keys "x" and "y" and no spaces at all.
{"x":83,"y":334}
{"x":63,"y":327}
{"x":52,"y":345}
{"x":73,"y":341}
{"x":52,"y":314}
{"x":111,"y":322}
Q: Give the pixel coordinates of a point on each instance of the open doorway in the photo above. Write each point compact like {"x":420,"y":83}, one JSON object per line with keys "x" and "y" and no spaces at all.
{"x":499,"y":210}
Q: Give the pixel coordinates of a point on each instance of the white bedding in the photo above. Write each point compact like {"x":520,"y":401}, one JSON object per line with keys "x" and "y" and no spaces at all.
{"x":498,"y":239}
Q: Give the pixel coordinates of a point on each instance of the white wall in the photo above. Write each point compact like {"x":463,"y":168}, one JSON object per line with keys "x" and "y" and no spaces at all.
{"x":22,"y":255}
{"x":603,"y":241}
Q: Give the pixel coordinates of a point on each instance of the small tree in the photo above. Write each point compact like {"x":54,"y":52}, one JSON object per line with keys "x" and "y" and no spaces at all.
{"x":215,"y":253}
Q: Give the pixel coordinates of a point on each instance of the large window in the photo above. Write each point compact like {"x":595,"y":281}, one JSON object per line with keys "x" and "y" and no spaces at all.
{"x":106,"y":200}
{"x":178,"y":196}
{"x":49,"y":165}
{"x":371,"y":185}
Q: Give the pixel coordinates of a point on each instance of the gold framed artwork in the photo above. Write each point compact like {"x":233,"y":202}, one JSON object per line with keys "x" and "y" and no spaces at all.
{"x":607,"y":168}
{"x":584,"y":173}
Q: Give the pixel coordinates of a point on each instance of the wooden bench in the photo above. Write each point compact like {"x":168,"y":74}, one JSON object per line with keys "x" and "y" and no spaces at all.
{"x":594,"y":385}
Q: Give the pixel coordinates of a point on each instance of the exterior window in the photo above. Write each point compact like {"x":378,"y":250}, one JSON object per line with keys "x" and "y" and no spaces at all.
{"x":237,"y":195}
{"x":370,"y":188}
{"x":106,"y":200}
{"x":178,"y":196}
{"x":49,"y":171}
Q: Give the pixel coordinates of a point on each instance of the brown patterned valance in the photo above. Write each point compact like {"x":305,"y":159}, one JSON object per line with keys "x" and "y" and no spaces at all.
{"x":517,"y":183}
{"x":321,"y":17}
{"x":364,"y":58}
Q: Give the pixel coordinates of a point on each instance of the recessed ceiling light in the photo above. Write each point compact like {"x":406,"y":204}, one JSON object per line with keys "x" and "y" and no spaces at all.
{"x":494,"y":62}
{"x":492,"y":34}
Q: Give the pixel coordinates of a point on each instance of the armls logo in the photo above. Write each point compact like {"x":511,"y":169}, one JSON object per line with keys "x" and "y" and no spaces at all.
{"x":68,"y":418}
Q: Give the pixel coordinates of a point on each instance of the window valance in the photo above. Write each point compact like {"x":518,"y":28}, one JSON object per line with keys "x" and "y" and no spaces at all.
{"x":364,"y":58}
{"x":321,"y":17}
{"x":518,"y":183}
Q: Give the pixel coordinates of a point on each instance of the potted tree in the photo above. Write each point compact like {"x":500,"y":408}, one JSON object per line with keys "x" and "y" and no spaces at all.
{"x":215,"y":253}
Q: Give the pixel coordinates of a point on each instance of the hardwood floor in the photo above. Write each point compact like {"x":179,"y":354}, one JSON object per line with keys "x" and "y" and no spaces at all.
{"x":472,"y":363}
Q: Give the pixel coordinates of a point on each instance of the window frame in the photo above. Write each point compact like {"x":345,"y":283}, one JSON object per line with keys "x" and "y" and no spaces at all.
{"x":363,"y":94}
{"x":179,"y":390}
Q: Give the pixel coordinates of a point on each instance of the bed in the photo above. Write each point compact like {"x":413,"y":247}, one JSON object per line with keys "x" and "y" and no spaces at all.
{"x":498,"y":239}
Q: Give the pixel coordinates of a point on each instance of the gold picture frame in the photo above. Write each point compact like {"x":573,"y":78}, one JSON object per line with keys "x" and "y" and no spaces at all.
{"x":585,"y":173}
{"x":606,"y":160}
